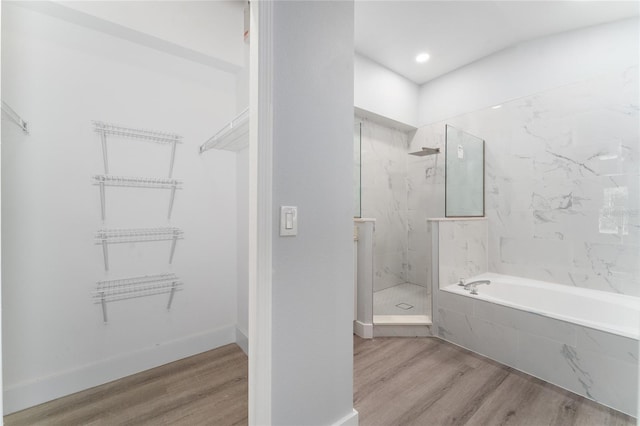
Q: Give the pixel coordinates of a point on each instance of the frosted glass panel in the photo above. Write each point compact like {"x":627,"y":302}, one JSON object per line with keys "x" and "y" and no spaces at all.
{"x":464,"y":174}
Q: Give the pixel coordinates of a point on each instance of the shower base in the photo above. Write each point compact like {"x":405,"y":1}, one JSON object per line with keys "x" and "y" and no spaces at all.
{"x":402,"y":299}
{"x":403,"y":310}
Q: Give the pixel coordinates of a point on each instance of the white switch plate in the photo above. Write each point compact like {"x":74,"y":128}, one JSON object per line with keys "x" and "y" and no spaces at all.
{"x":288,"y":221}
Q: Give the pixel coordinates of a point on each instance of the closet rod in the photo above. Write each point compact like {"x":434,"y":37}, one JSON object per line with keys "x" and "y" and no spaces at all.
{"x":229,"y":134}
{"x":15,"y":117}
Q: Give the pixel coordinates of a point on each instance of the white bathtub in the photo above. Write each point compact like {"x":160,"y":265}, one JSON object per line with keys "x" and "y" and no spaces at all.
{"x":583,"y":340}
{"x":609,"y":312}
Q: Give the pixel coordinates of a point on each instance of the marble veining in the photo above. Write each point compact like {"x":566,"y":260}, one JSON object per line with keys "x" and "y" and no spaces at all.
{"x":562,"y":193}
{"x":573,"y":360}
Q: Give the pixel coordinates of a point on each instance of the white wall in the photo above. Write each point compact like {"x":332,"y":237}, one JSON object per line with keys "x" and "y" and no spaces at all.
{"x":312,"y":355}
{"x":211,"y":28}
{"x":529,"y":68}
{"x":384,"y":93}
{"x":60,"y":76}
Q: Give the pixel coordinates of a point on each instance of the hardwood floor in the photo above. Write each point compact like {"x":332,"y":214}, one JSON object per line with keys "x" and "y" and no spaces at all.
{"x":424,"y":381}
{"x":397,"y":381}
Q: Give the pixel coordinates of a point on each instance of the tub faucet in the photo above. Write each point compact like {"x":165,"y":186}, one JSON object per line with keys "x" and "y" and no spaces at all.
{"x":472,"y":286}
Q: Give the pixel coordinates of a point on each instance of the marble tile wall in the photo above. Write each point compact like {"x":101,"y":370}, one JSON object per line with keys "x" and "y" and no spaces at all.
{"x":462,"y":249}
{"x":562,"y":184}
{"x":384,"y":197}
{"x":595,"y":364}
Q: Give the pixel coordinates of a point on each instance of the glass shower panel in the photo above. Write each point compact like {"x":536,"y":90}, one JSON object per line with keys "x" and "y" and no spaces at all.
{"x":464,"y":174}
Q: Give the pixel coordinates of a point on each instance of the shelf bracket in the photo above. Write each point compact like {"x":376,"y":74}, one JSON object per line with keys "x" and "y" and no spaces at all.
{"x":105,"y":251}
{"x":173,"y":246}
{"x":173,"y":194}
{"x":103,"y":139}
{"x":173,"y":291}
{"x":102,"y":200}
{"x":173,"y":157}
{"x":104,"y":307}
{"x":24,"y":126}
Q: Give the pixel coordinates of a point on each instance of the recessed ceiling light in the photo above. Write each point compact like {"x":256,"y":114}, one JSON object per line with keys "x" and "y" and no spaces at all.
{"x":422,"y":58}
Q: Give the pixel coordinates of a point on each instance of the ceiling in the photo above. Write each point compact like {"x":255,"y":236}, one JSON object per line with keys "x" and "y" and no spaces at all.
{"x":456,"y":33}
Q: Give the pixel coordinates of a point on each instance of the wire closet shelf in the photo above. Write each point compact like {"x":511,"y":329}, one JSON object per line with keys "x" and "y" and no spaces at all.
{"x":105,"y":237}
{"x":107,"y":129}
{"x":128,"y":288}
{"x":137,"y":182}
{"x":232,"y":137}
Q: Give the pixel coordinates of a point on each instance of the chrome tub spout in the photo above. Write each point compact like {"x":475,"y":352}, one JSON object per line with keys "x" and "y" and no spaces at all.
{"x":472,"y":287}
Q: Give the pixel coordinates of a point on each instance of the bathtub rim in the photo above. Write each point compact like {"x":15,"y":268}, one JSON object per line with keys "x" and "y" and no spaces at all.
{"x":631,"y":302}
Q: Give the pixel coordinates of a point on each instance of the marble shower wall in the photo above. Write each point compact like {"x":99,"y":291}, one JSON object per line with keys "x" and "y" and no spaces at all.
{"x":384,"y":197}
{"x":562,"y":183}
{"x":425,"y":197}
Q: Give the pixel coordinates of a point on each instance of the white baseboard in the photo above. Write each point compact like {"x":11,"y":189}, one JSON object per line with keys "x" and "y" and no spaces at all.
{"x":350,"y":419}
{"x":23,"y":395}
{"x":242,"y":340}
{"x":363,"y":330}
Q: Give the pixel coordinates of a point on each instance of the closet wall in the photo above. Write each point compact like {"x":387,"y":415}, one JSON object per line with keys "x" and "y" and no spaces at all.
{"x":60,"y":76}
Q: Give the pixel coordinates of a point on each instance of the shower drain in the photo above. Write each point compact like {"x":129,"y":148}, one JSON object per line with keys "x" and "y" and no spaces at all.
{"x":404,"y":306}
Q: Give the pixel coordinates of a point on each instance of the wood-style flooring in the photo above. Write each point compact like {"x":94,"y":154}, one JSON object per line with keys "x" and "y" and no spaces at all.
{"x":397,"y":381}
{"x":206,"y":389}
{"x":425,"y":381}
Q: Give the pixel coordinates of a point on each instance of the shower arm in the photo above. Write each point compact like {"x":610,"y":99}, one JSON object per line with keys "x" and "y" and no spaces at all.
{"x":426,"y":151}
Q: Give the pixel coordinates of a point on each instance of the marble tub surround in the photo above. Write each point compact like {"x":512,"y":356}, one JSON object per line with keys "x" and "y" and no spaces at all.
{"x":597,"y":365}
{"x":562,"y":190}
{"x":462,"y":248}
{"x":600,"y":310}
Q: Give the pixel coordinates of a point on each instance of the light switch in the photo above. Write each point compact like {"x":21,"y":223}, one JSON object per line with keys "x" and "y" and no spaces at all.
{"x":288,"y":221}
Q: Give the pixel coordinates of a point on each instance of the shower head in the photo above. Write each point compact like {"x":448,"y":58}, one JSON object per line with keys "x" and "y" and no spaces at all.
{"x":426,"y":151}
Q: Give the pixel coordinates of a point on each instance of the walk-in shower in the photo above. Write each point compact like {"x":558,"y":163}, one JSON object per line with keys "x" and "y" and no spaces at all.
{"x":399,"y":181}
{"x":385,"y":193}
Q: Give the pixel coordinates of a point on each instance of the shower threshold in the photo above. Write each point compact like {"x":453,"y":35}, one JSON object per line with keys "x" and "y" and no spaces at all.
{"x":401,"y":320}
{"x":402,"y":326}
